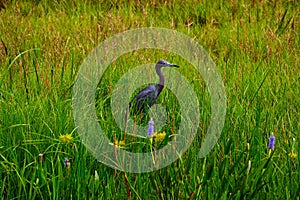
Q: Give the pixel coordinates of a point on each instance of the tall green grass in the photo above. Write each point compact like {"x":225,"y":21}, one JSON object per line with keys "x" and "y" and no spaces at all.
{"x":255,"y":45}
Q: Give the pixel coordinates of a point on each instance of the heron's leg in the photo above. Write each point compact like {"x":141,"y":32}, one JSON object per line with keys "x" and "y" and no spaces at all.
{"x":134,"y":125}
{"x":126,"y":121}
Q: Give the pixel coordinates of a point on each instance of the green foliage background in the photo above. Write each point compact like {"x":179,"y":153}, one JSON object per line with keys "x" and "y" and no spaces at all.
{"x":255,"y":45}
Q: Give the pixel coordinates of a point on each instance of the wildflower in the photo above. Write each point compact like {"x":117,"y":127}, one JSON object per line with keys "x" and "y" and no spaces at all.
{"x":293,"y":155}
{"x":66,"y":138}
{"x":159,"y":137}
{"x":41,"y":157}
{"x":271,"y":142}
{"x":119,"y":143}
{"x":150,"y":128}
{"x":67,"y":163}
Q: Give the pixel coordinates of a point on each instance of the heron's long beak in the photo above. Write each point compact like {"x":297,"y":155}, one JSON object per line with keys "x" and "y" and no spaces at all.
{"x":174,"y":66}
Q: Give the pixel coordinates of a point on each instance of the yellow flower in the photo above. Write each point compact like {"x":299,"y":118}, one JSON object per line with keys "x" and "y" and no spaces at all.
{"x":159,"y":137}
{"x":293,"y":155}
{"x":66,"y":138}
{"x":120,"y":143}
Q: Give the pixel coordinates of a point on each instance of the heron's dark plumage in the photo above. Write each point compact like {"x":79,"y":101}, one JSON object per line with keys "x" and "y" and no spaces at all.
{"x":145,"y":98}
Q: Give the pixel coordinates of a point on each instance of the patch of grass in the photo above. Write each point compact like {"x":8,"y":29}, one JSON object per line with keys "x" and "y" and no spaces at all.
{"x":255,"y":46}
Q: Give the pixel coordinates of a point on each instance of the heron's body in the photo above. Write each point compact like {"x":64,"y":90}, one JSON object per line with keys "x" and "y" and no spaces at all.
{"x":147,"y":96}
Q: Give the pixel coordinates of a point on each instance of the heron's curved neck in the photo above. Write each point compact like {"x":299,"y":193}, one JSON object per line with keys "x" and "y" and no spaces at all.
{"x":160,"y":74}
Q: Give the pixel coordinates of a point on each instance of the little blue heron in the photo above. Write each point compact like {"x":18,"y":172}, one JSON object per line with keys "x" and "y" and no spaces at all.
{"x":147,"y":96}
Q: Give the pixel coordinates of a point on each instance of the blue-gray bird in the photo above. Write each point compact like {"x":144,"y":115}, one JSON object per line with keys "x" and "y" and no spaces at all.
{"x":147,"y":96}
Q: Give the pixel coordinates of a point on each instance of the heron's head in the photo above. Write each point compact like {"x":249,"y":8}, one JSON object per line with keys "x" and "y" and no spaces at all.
{"x":163,"y":63}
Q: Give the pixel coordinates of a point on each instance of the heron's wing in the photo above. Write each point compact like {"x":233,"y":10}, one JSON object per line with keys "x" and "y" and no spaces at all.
{"x":146,"y":97}
{"x":147,"y":92}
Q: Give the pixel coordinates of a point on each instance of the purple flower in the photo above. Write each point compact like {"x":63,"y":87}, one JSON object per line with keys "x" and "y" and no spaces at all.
{"x":272,"y":142}
{"x":150,"y":128}
{"x":67,"y":163}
